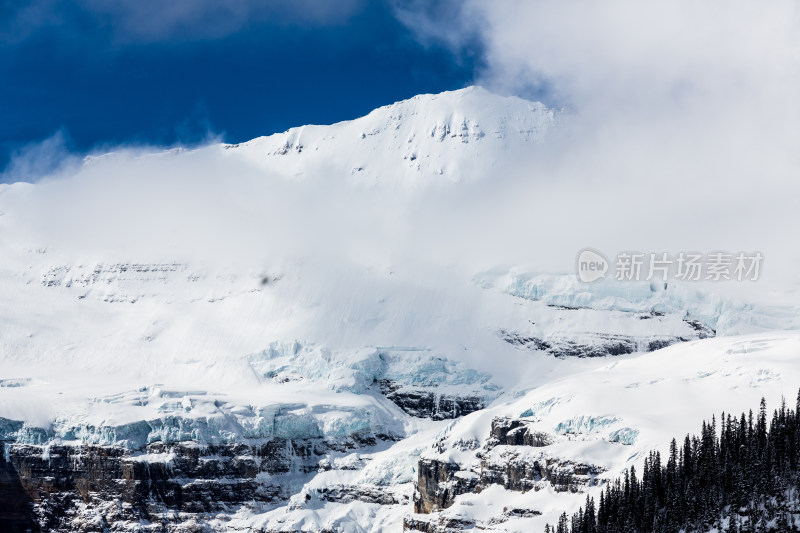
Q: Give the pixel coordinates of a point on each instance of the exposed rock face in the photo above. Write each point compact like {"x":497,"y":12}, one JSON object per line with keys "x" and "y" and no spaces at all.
{"x":15,"y":503}
{"x":516,"y":469}
{"x":450,"y":524}
{"x":349,"y":493}
{"x":438,"y":485}
{"x":602,"y":344}
{"x":703,"y":331}
{"x":438,"y":482}
{"x":667,"y":329}
{"x":50,"y":488}
{"x":512,"y":457}
{"x":515,"y":432}
{"x":443,"y":524}
{"x":424,"y":403}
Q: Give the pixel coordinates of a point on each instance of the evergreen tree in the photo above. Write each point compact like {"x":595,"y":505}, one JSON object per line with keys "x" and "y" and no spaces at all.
{"x":740,"y":475}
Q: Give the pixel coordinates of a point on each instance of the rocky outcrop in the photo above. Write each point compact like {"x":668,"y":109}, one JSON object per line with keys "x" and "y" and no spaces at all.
{"x":513,"y":457}
{"x":441,"y":524}
{"x":454,"y":524}
{"x":599,"y":344}
{"x":438,"y":483}
{"x":16,"y":507}
{"x":515,"y":432}
{"x":94,"y":488}
{"x":362,"y":493}
{"x":516,"y":469}
{"x":426,"y":403}
{"x":703,"y":331}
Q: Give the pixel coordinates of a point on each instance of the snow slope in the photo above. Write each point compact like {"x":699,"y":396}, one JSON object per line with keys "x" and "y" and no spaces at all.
{"x":614,"y":413}
{"x":411,"y":142}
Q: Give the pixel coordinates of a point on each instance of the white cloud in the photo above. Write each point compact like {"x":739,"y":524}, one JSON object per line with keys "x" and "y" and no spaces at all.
{"x":685,"y":116}
{"x":620,"y":49}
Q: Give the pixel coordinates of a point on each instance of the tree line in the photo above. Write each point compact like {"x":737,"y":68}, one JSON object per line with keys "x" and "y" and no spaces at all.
{"x":740,"y":474}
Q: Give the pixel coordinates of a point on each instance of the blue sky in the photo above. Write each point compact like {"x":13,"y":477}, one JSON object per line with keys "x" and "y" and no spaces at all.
{"x":105,"y":73}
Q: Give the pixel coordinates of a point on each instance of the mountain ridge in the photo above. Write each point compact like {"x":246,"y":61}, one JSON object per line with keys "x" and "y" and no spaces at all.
{"x":421,"y":136}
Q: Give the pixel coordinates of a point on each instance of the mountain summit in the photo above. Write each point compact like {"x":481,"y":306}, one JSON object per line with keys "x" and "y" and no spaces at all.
{"x":455,"y":134}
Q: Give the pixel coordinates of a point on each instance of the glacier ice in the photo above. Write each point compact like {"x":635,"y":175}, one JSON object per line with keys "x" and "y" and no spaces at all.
{"x":723,"y":315}
{"x":584,"y":424}
{"x":625,"y":436}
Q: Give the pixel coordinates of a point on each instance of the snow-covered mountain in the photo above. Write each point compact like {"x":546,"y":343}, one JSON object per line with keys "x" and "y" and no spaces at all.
{"x":412,"y":141}
{"x":309,"y":331}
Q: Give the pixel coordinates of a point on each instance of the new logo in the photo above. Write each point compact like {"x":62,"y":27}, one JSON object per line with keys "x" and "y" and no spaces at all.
{"x":591,"y":265}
